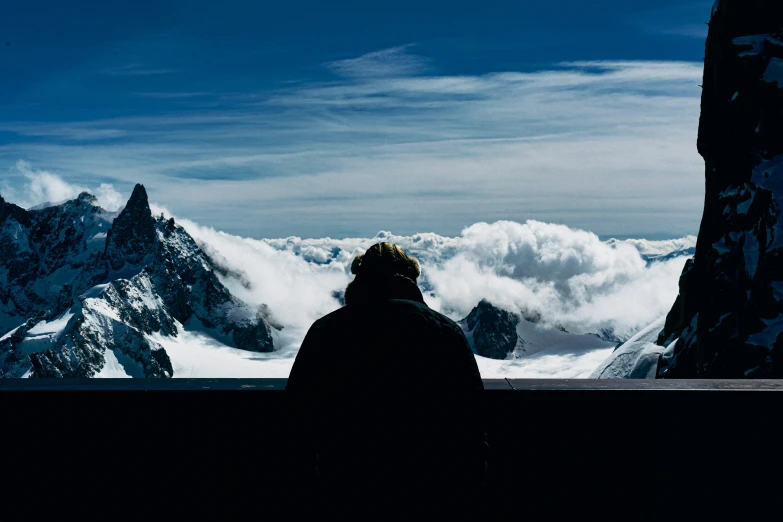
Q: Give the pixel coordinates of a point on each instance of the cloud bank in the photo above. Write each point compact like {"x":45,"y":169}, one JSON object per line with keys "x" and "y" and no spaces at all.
{"x":569,"y":276}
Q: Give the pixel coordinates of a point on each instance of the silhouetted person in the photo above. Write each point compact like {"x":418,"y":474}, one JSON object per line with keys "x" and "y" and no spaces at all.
{"x":385,"y":393}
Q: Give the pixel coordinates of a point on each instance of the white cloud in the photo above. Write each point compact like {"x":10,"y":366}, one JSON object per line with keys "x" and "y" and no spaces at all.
{"x":657,"y":248}
{"x":297,"y":291}
{"x":46,"y":187}
{"x":43,"y":186}
{"x":108,"y":197}
{"x":569,"y":276}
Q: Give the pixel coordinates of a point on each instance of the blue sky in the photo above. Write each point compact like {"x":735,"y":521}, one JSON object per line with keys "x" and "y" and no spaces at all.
{"x":341,"y":119}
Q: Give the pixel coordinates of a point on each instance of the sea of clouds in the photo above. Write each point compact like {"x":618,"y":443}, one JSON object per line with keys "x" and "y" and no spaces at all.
{"x":568,"y":276}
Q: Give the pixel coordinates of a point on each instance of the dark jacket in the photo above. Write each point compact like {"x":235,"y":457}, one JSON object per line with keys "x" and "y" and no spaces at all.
{"x":387,"y":387}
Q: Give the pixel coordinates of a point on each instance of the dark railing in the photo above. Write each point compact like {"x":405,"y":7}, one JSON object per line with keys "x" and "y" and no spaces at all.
{"x":598,"y":450}
{"x":620,"y":386}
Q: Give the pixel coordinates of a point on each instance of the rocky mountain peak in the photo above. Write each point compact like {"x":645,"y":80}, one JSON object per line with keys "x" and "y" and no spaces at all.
{"x":482,"y":309}
{"x":138,"y":197}
{"x":132,"y":236}
{"x":491,"y":330}
{"x":86,"y":197}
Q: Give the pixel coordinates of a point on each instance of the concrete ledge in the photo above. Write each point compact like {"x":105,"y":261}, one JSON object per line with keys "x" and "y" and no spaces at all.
{"x":489,"y":384}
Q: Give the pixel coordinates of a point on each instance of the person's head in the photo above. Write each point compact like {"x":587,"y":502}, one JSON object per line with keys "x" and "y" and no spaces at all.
{"x":385,"y":260}
{"x":383,"y":271}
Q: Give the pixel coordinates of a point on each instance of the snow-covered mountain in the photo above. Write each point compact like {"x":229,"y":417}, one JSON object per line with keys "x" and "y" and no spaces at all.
{"x":637,"y":358}
{"x":83,"y":291}
{"x":44,"y":252}
{"x":498,"y":334}
{"x":727,"y":321}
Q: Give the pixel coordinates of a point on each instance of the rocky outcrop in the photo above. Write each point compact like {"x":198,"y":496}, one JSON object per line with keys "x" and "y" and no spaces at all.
{"x":728,"y":319}
{"x":491,"y":331}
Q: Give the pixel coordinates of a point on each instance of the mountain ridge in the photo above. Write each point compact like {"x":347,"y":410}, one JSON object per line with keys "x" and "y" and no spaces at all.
{"x":132,"y":277}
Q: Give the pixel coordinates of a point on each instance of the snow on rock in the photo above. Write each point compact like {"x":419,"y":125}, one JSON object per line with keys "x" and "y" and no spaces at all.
{"x":507,"y":345}
{"x":112,"y":368}
{"x":637,"y":358}
{"x":46,"y":253}
{"x":107,"y":329}
{"x":196,"y":354}
{"x":96,"y":287}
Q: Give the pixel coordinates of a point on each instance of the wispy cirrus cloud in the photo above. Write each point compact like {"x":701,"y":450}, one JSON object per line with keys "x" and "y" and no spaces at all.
{"x":604,"y":146}
{"x":136,"y":69}
{"x":77,"y":131}
{"x":392,"y":62}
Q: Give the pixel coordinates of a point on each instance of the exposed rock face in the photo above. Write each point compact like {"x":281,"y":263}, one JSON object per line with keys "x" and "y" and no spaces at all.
{"x":186,"y":281}
{"x":46,"y":252}
{"x":132,"y":235}
{"x":96,"y":288}
{"x":493,"y":331}
{"x":728,"y":319}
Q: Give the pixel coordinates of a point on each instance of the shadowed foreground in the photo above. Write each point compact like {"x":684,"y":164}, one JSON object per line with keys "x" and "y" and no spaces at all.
{"x":606,"y":449}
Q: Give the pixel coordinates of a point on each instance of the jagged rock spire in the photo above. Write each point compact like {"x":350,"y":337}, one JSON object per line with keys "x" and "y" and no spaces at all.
{"x":132,"y":235}
{"x":728,"y":319}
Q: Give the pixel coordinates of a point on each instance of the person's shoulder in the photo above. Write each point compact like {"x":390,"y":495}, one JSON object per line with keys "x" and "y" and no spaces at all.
{"x":335,"y":316}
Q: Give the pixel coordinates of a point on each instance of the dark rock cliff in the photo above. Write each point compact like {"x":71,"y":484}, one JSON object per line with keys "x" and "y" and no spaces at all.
{"x":728,"y":318}
{"x":493,"y":331}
